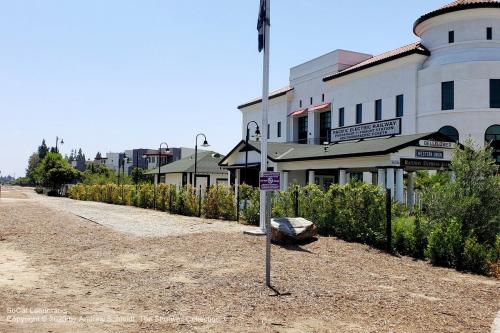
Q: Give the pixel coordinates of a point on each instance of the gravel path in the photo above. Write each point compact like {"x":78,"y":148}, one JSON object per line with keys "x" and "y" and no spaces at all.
{"x":96,"y":279}
{"x":137,"y":221}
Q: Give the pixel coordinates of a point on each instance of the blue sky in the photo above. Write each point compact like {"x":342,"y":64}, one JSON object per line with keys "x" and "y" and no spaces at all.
{"x":120,"y":74}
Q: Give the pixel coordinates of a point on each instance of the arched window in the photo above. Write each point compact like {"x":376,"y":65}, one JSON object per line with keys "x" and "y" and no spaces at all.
{"x":450,"y":132}
{"x":492,"y":136}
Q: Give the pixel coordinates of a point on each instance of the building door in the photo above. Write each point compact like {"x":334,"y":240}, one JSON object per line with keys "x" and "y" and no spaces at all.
{"x":302,"y":137}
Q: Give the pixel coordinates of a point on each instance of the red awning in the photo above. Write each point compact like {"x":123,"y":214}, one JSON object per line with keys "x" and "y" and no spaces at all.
{"x":321,"y":107}
{"x":298,"y":113}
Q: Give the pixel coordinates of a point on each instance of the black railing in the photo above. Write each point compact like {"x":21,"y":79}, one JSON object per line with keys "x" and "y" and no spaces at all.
{"x":312,"y":141}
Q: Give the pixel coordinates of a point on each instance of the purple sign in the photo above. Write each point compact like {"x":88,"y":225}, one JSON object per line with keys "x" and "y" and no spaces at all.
{"x":269,"y":181}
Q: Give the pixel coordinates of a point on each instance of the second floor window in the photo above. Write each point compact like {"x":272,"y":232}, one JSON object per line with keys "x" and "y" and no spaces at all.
{"x":495,"y":93}
{"x":489,"y":33}
{"x":268,"y":131}
{"x":278,"y":129}
{"x":400,"y":105}
{"x":451,"y":36}
{"x":447,"y":95}
{"x":378,"y":109}
{"x":325,"y":125}
{"x":341,"y":117}
{"x":302,"y":135}
{"x":359,"y":113}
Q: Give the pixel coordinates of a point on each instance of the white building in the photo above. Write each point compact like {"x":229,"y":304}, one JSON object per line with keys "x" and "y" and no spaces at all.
{"x":447,"y":82}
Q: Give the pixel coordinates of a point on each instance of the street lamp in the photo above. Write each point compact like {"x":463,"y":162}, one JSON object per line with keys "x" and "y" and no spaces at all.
{"x":58,"y":141}
{"x":159,"y":167}
{"x":257,"y":134}
{"x":121,"y":165}
{"x":205,"y":144}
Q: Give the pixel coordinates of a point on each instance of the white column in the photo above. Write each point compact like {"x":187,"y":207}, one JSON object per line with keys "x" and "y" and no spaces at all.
{"x":284,"y":180}
{"x":347,"y":177}
{"x":390,"y":180}
{"x":410,"y":193}
{"x":381,"y":178}
{"x":156,"y":179}
{"x":399,"y":186}
{"x":342,"y":177}
{"x":236,"y":182}
{"x":228,"y":177}
{"x":453,"y":176}
{"x":311,"y":177}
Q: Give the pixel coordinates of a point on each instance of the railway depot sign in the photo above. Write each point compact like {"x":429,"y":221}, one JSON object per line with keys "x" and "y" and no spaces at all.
{"x":430,"y":164}
{"x":436,"y":144}
{"x":429,"y":153}
{"x":368,"y":130}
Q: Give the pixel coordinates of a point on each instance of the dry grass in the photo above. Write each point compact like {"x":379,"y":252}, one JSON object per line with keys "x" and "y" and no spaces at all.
{"x":213,"y":282}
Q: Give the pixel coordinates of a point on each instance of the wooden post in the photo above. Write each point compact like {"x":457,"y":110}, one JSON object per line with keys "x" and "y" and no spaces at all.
{"x":238,"y":205}
{"x":199,"y":203}
{"x":296,"y":203}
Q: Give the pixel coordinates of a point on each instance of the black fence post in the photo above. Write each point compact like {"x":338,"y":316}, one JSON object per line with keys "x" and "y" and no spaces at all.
{"x":237,"y":204}
{"x":296,"y":201}
{"x":388,"y":216}
{"x":199,"y":203}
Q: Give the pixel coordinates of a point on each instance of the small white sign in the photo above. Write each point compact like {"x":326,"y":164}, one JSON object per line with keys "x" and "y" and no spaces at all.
{"x":436,"y":144}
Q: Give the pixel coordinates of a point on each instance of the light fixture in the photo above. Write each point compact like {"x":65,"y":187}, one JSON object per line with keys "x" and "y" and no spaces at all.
{"x":205,"y":144}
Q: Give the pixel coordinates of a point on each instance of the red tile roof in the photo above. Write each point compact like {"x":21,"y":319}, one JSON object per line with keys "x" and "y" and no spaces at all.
{"x":414,"y":48}
{"x":456,"y":6}
{"x":272,"y":94}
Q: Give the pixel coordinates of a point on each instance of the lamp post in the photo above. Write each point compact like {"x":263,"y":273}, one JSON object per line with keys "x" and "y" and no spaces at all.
{"x":257,"y":133}
{"x":121,"y":165}
{"x":205,"y":144}
{"x":57,"y":141}
{"x":159,"y":167}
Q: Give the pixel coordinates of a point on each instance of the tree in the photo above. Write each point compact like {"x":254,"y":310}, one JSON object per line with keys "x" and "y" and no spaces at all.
{"x":31,"y":171}
{"x":42,"y":150}
{"x":138,"y":176}
{"x":54,"y":171}
{"x":471,"y":201}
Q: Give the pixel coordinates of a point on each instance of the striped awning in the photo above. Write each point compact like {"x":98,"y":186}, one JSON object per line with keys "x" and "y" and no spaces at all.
{"x":321,"y":107}
{"x":298,"y":113}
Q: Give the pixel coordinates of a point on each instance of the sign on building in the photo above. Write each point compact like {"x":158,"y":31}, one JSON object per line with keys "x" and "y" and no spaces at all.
{"x":429,"y":153}
{"x":436,"y":144}
{"x":269,"y":181}
{"x":425,"y":164}
{"x":368,"y":130}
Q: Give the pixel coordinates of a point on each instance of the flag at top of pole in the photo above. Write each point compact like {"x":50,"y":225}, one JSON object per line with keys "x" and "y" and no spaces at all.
{"x":263,"y":26}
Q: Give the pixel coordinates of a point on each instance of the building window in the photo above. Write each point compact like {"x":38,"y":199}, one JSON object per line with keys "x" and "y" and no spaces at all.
{"x":278,"y":129}
{"x":495,"y":94}
{"x":489,"y":33}
{"x":302,"y":135}
{"x":450,"y":132}
{"x":322,"y":97}
{"x":399,"y":105}
{"x":492,"y":136}
{"x":447,"y":95}
{"x":311,"y":100}
{"x":300,"y":103}
{"x":451,"y":37}
{"x":341,"y":117}
{"x":268,"y":131}
{"x":359,"y":113}
{"x":378,"y":109}
{"x":325,"y":126}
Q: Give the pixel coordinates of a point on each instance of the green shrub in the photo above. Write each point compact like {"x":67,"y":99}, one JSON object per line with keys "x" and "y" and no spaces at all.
{"x":187,"y":201}
{"x":219,"y":203}
{"x":444,"y":244}
{"x":39,"y":190}
{"x":250,"y":197}
{"x":284,"y":202}
{"x":403,"y":235}
{"x":476,"y":257}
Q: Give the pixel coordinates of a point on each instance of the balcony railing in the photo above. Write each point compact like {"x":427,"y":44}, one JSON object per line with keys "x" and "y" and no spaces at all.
{"x":312,"y":141}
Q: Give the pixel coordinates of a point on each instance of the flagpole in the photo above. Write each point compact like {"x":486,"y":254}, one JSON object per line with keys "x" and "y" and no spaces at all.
{"x":264,"y":195}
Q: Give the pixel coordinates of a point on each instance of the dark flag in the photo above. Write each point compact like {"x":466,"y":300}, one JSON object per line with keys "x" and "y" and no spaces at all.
{"x":261,"y":24}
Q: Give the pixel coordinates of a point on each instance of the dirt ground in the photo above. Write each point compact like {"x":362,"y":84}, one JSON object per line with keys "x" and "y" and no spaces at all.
{"x":63,"y":273}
